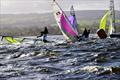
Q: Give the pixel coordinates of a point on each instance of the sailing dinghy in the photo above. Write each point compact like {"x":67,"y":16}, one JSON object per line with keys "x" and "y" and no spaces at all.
{"x":101,"y":32}
{"x":109,"y":16}
{"x":69,"y":33}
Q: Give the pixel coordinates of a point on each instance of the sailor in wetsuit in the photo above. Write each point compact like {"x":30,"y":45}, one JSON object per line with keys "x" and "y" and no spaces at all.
{"x":44,"y":35}
{"x":84,"y":35}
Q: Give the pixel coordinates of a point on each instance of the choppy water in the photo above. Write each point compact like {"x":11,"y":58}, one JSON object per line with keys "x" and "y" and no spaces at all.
{"x":91,"y":59}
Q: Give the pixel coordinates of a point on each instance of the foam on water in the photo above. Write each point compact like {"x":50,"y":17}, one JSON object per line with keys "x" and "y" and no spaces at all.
{"x":91,"y":59}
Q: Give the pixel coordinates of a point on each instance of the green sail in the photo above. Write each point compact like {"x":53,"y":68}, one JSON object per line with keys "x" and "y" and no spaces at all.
{"x":104,"y":20}
{"x":11,"y":40}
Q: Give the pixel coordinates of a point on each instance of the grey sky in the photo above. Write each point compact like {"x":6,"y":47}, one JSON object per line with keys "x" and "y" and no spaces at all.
{"x":43,"y":6}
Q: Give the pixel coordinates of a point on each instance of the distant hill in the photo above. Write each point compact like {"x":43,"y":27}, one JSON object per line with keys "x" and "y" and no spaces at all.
{"x":18,"y":22}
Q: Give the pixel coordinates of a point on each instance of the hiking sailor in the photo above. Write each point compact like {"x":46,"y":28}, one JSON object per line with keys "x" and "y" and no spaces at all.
{"x":86,"y":33}
{"x":44,"y":34}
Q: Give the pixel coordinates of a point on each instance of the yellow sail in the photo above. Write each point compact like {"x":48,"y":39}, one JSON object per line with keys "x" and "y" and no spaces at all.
{"x":11,"y":40}
{"x":104,"y":20}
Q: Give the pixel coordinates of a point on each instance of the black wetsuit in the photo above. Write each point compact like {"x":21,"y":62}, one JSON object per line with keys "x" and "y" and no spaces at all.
{"x":86,"y":33}
{"x":44,"y":34}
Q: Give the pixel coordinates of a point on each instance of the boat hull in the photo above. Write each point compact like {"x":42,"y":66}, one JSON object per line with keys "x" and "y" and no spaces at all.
{"x":102,"y":34}
{"x":115,"y":35}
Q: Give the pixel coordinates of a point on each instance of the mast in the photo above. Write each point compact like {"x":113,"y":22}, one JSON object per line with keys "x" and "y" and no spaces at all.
{"x":112,"y":9}
{"x":72,"y":11}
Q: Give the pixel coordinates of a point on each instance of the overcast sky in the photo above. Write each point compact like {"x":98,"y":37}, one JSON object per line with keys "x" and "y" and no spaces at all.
{"x":43,"y":6}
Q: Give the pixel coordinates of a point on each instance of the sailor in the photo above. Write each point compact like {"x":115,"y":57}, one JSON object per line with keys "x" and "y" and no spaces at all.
{"x":86,"y":33}
{"x":44,"y":35}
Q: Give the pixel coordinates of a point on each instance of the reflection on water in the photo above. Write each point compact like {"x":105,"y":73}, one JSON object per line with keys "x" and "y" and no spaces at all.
{"x":92,"y":59}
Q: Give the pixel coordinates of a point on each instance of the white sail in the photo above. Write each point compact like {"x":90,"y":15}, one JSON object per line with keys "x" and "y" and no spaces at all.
{"x":111,"y":28}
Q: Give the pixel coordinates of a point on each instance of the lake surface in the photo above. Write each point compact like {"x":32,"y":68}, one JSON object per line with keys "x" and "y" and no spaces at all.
{"x":91,"y":59}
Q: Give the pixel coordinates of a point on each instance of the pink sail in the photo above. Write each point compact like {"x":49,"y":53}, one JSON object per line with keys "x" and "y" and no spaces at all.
{"x":66,"y":26}
{"x":69,"y":33}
